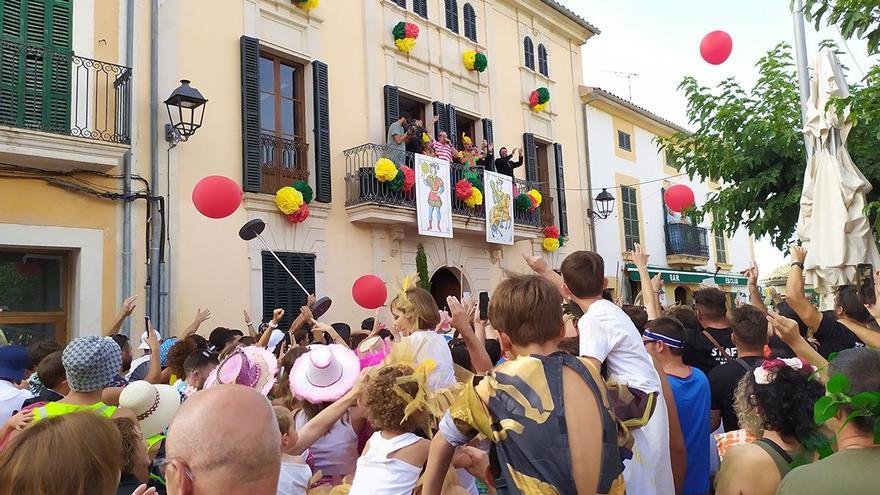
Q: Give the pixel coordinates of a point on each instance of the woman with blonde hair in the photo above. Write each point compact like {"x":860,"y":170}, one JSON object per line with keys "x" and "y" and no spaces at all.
{"x":74,"y":454}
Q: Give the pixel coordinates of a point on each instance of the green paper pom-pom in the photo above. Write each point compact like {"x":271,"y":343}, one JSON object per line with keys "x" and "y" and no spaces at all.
{"x":476,"y":183}
{"x":399,"y":31}
{"x":480,"y":62}
{"x":522,"y":202}
{"x":306,"y":190}
{"x":543,"y":95}
{"x":396,"y":184}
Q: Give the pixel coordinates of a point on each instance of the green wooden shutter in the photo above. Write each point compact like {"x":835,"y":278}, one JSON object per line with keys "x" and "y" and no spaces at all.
{"x":279,"y":291}
{"x":57,"y":70}
{"x":488,"y":132}
{"x":252,"y":174}
{"x":452,"y":125}
{"x":392,"y":105}
{"x":530,"y":152}
{"x":323,"y":185}
{"x":11,"y":62}
{"x":560,"y":186}
{"x":442,"y":124}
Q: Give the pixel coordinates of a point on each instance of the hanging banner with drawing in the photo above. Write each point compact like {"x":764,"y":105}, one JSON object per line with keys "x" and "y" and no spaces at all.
{"x":499,"y":208}
{"x":433,"y":197}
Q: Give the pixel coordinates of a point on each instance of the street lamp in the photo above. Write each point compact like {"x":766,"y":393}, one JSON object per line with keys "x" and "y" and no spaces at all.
{"x":605,"y":204}
{"x":186,"y":109}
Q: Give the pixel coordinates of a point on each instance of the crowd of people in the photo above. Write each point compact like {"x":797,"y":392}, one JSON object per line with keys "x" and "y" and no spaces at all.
{"x":560,"y":391}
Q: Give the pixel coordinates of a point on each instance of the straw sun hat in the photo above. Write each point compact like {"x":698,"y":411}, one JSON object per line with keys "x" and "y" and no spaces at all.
{"x":154,"y":405}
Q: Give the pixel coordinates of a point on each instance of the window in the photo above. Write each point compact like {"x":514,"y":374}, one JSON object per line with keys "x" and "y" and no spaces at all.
{"x":400,"y":3}
{"x":629,"y":207}
{"x":529,"y":52}
{"x":542,"y":61}
{"x":33,"y":296}
{"x":452,"y":15}
{"x":623,"y":141}
{"x":282,"y":123}
{"x":470,"y":23}
{"x":720,"y":247}
{"x":279,"y":291}
{"x":420,"y":7}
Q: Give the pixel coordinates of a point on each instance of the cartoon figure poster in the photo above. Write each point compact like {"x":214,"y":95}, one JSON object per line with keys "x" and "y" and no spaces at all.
{"x":499,"y":208}
{"x":433,"y":197}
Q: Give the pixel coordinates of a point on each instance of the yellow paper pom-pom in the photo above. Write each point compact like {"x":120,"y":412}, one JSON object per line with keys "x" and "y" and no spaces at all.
{"x":535,"y":194}
{"x":386,"y":170}
{"x":405,"y":44}
{"x":306,"y":4}
{"x":550,"y":244}
{"x":470,"y":58}
{"x":540,"y":107}
{"x":475,"y":199}
{"x":288,"y":200}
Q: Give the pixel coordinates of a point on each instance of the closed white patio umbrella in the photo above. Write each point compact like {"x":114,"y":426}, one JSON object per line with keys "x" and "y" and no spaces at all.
{"x":832,"y":225}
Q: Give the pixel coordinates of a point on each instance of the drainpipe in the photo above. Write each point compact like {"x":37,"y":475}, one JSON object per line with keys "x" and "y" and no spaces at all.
{"x":127,"y":233}
{"x":154,"y":277}
{"x":590,"y":218}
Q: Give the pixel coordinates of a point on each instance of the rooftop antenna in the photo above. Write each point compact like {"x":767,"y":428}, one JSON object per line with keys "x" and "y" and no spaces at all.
{"x":629,"y":77}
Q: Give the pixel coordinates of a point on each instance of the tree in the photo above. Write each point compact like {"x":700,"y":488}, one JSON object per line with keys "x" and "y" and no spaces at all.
{"x":854,"y":18}
{"x":422,"y":268}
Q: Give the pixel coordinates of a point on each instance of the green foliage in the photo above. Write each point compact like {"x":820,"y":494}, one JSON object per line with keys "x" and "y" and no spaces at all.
{"x":854,"y":18}
{"x":861,"y":405}
{"x":422,"y":268}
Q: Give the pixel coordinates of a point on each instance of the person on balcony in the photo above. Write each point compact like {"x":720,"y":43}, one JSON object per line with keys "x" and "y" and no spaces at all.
{"x":504,"y":164}
{"x":443,"y":147}
{"x":397,"y":137}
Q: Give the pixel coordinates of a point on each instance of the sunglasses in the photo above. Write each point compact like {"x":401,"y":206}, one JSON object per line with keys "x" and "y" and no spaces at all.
{"x":162,"y":465}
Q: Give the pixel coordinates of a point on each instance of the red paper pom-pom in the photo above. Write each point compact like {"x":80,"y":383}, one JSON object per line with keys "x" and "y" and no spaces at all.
{"x":411,"y":30}
{"x":551,"y":231}
{"x":463,"y":189}
{"x":409,"y":178}
{"x":534,"y":202}
{"x":533,"y":98}
{"x":300,"y":215}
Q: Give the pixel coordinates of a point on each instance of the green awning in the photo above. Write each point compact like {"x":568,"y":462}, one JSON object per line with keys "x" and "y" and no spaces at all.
{"x":687,"y":276}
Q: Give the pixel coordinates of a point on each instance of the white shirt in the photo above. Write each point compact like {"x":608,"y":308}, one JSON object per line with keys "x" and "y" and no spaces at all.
{"x":377,"y":474}
{"x":11,"y":399}
{"x":649,"y":471}
{"x":335,"y":453}
{"x":432,"y":345}
{"x":608,"y":335}
{"x":294,"y":478}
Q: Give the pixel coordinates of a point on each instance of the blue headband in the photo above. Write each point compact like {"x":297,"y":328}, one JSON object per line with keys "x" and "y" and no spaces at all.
{"x":662,"y":338}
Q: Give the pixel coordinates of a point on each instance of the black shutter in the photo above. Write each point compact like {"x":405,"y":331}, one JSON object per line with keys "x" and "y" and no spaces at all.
{"x":488,"y":133}
{"x":560,"y":188}
{"x":279,"y":291}
{"x":452,"y":15}
{"x":250,"y":114}
{"x":420,"y":7}
{"x":400,"y":3}
{"x":542,"y":60}
{"x":452,"y":125}
{"x":470,"y":22}
{"x":530,"y":151}
{"x":321,"y":95}
{"x":392,"y":105}
{"x":529,"y":53}
{"x":442,"y":124}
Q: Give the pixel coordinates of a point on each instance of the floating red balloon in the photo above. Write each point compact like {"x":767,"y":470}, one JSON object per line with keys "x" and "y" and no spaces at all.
{"x":679,"y":197}
{"x":216,"y":196}
{"x":716,"y":47}
{"x":369,"y":292}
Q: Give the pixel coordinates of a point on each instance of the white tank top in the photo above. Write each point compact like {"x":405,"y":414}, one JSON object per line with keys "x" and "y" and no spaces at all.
{"x":335,"y":453}
{"x":378,"y":475}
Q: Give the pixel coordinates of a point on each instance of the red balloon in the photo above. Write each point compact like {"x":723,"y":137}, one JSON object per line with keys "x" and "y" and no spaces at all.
{"x":679,"y":197}
{"x":369,"y":292}
{"x":716,"y":47}
{"x":216,"y":196}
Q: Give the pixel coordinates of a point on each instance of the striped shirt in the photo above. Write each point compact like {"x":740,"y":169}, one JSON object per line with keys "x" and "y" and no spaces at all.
{"x":444,"y":151}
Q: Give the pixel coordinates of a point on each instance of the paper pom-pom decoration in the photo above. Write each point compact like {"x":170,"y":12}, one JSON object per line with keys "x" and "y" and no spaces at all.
{"x":543,"y":95}
{"x":396,"y":184}
{"x":385,"y":170}
{"x":306,"y":190}
{"x":409,"y":178}
{"x":288,"y":200}
{"x":550,"y":244}
{"x":474,"y":60}
{"x":405,"y":34}
{"x":306,"y":4}
{"x":481,"y":62}
{"x":300,"y":215}
{"x":475,"y":199}
{"x":535,"y":197}
{"x":539,"y":98}
{"x":551,"y":231}
{"x":463,"y":189}
{"x":522,"y":202}
{"x":540,"y":107}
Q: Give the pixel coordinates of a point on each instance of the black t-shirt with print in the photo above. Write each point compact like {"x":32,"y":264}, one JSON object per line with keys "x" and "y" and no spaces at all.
{"x":833,"y":336}
{"x":723,"y":381}
{"x":702,"y":353}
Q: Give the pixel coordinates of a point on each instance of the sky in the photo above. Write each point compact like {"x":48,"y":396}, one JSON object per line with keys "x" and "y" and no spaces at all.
{"x":659,"y":40}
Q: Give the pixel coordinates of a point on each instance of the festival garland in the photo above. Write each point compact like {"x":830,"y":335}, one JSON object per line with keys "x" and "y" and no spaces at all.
{"x":528,"y":201}
{"x":293,"y":201}
{"x":474,"y":60}
{"x":405,"y":35}
{"x":552,"y":239}
{"x":539,"y":99}
{"x":400,"y":178}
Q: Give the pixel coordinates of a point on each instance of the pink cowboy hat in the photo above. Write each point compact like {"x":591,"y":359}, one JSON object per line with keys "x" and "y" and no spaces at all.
{"x":324,"y":374}
{"x":250,"y":366}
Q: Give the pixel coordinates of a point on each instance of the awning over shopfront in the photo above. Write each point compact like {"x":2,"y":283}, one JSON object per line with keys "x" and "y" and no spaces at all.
{"x":687,"y":276}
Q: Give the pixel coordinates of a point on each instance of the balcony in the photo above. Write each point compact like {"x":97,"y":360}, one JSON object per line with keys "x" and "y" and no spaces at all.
{"x":686,"y":245}
{"x":283,"y":162}
{"x":371,"y":201}
{"x":59,"y":111}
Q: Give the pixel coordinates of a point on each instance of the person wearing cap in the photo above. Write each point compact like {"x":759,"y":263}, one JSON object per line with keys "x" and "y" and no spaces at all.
{"x":690,"y":388}
{"x":90,"y":362}
{"x":13,"y":363}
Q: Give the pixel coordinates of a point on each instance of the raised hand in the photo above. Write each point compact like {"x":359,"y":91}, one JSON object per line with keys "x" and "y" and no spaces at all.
{"x":20,"y":420}
{"x":203,"y":315}
{"x":752,"y":274}
{"x":277,"y":315}
{"x":128,"y":306}
{"x":798,"y":254}
{"x":874,"y":309}
{"x":640,"y":256}
{"x":152,"y":340}
{"x":657,"y":283}
{"x":311,"y":300}
{"x":537,"y":263}
{"x":460,"y":318}
{"x":247,"y":317}
{"x":785,"y":328}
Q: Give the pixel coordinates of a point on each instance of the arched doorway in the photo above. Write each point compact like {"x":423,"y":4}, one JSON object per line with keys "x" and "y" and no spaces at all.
{"x":447,"y":281}
{"x":681,"y":295}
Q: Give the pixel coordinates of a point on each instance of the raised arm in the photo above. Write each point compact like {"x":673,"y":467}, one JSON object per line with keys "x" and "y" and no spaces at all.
{"x":787,"y":330}
{"x":154,"y":373}
{"x":794,"y":290}
{"x":649,"y":295}
{"x":321,"y":424}
{"x":871,"y":338}
{"x":539,"y":265}
{"x":124,"y":312}
{"x":755,"y":298}
{"x":461,"y":321}
{"x":318,"y":327}
{"x":202,"y":315}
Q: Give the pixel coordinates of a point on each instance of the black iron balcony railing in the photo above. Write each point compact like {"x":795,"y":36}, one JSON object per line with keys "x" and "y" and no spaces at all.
{"x":362,"y":186}
{"x":283,"y":162}
{"x":58,"y":92}
{"x":685,"y":239}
